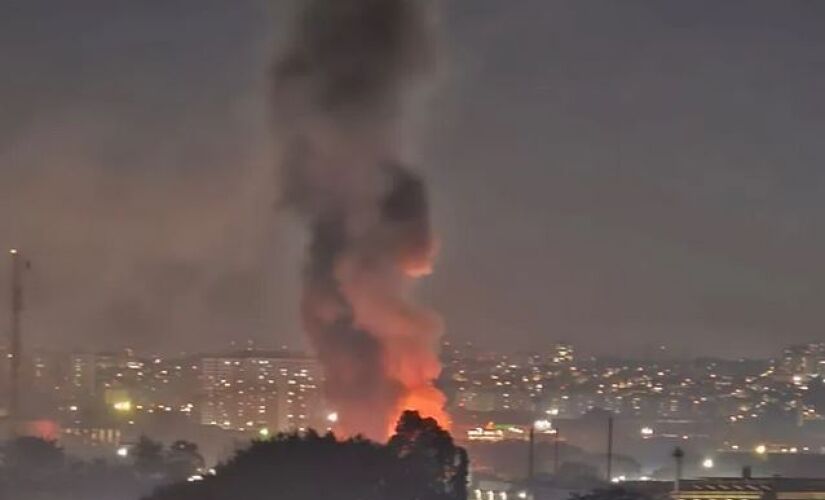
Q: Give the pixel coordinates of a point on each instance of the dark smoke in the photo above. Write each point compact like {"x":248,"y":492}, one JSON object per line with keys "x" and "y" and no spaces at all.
{"x":341,"y":90}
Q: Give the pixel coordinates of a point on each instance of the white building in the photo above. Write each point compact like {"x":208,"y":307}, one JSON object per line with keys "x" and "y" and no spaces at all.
{"x":264,"y":391}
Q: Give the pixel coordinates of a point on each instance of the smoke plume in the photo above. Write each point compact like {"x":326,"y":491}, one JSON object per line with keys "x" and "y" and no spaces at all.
{"x":341,"y":91}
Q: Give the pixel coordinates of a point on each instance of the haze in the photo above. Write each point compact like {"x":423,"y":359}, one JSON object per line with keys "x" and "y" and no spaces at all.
{"x":617,"y":177}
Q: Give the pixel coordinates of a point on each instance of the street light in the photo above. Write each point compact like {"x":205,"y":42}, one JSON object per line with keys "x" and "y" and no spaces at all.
{"x":123,"y":406}
{"x":707,"y":463}
{"x":542,"y":425}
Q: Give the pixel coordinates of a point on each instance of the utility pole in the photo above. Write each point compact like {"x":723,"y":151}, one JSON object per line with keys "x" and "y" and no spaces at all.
{"x":15,"y":343}
{"x":556,"y":452}
{"x":610,"y":448}
{"x":678,"y":456}
{"x":531,"y":458}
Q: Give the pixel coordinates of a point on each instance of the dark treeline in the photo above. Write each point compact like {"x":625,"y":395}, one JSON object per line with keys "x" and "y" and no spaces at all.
{"x":36,"y":469}
{"x":419,"y":462}
{"x":614,"y":493}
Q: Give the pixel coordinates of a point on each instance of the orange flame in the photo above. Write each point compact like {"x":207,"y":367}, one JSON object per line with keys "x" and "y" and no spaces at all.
{"x":428,"y":402}
{"x":408,"y":332}
{"x":419,"y":263}
{"x":415,"y":363}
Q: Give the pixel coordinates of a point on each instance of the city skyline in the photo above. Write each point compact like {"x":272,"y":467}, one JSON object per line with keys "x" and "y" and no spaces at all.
{"x":412,"y":249}
{"x":718,"y":410}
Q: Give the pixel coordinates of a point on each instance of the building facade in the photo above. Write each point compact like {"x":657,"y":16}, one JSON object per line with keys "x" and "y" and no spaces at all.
{"x":264,"y":391}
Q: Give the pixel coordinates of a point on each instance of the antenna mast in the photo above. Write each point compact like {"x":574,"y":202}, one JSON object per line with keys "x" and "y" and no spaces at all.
{"x":610,"y":448}
{"x":15,"y":343}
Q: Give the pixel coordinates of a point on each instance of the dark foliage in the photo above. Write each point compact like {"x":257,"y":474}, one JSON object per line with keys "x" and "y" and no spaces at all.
{"x":613,"y":493}
{"x":148,"y":457}
{"x":420,"y":462}
{"x":29,"y":455}
{"x":35,"y":469}
{"x":182,"y":461}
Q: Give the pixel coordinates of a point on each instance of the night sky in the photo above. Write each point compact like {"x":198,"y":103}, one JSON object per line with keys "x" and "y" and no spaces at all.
{"x":619,"y":175}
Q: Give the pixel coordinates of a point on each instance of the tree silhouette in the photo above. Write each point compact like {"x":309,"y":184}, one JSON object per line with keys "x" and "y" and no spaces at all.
{"x":428,"y":458}
{"x":183,"y":460}
{"x":577,"y":475}
{"x":420,"y":463}
{"x":148,"y":457}
{"x":35,"y":469}
{"x":26,"y":457}
{"x":613,"y":493}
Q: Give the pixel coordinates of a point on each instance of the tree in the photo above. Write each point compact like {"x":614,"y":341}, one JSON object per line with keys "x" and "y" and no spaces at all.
{"x":32,"y":456}
{"x":148,"y":457}
{"x":577,"y":475}
{"x":420,"y":463}
{"x":428,"y":458}
{"x":183,"y":460}
{"x":613,"y":493}
{"x":298,"y":467}
{"x":39,"y":469}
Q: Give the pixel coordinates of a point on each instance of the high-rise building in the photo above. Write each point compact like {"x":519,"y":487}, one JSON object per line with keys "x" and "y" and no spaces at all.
{"x":265,"y":391}
{"x":82,"y":374}
{"x":562,"y":354}
{"x":802,"y":361}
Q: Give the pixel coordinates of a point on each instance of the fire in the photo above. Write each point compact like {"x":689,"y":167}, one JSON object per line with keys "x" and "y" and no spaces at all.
{"x":414,"y":362}
{"x":428,"y":402}
{"x":408,"y":334}
{"x":418,"y":269}
{"x":345,"y":173}
{"x":417,"y":264}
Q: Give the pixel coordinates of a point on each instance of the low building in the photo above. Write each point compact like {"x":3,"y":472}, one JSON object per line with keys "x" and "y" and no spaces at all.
{"x":747,"y":488}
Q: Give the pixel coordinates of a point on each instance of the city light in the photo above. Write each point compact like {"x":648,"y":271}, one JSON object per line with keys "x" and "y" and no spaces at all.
{"x":252,"y":403}
{"x":122,"y":406}
{"x":542,"y":425}
{"x":485,"y":434}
